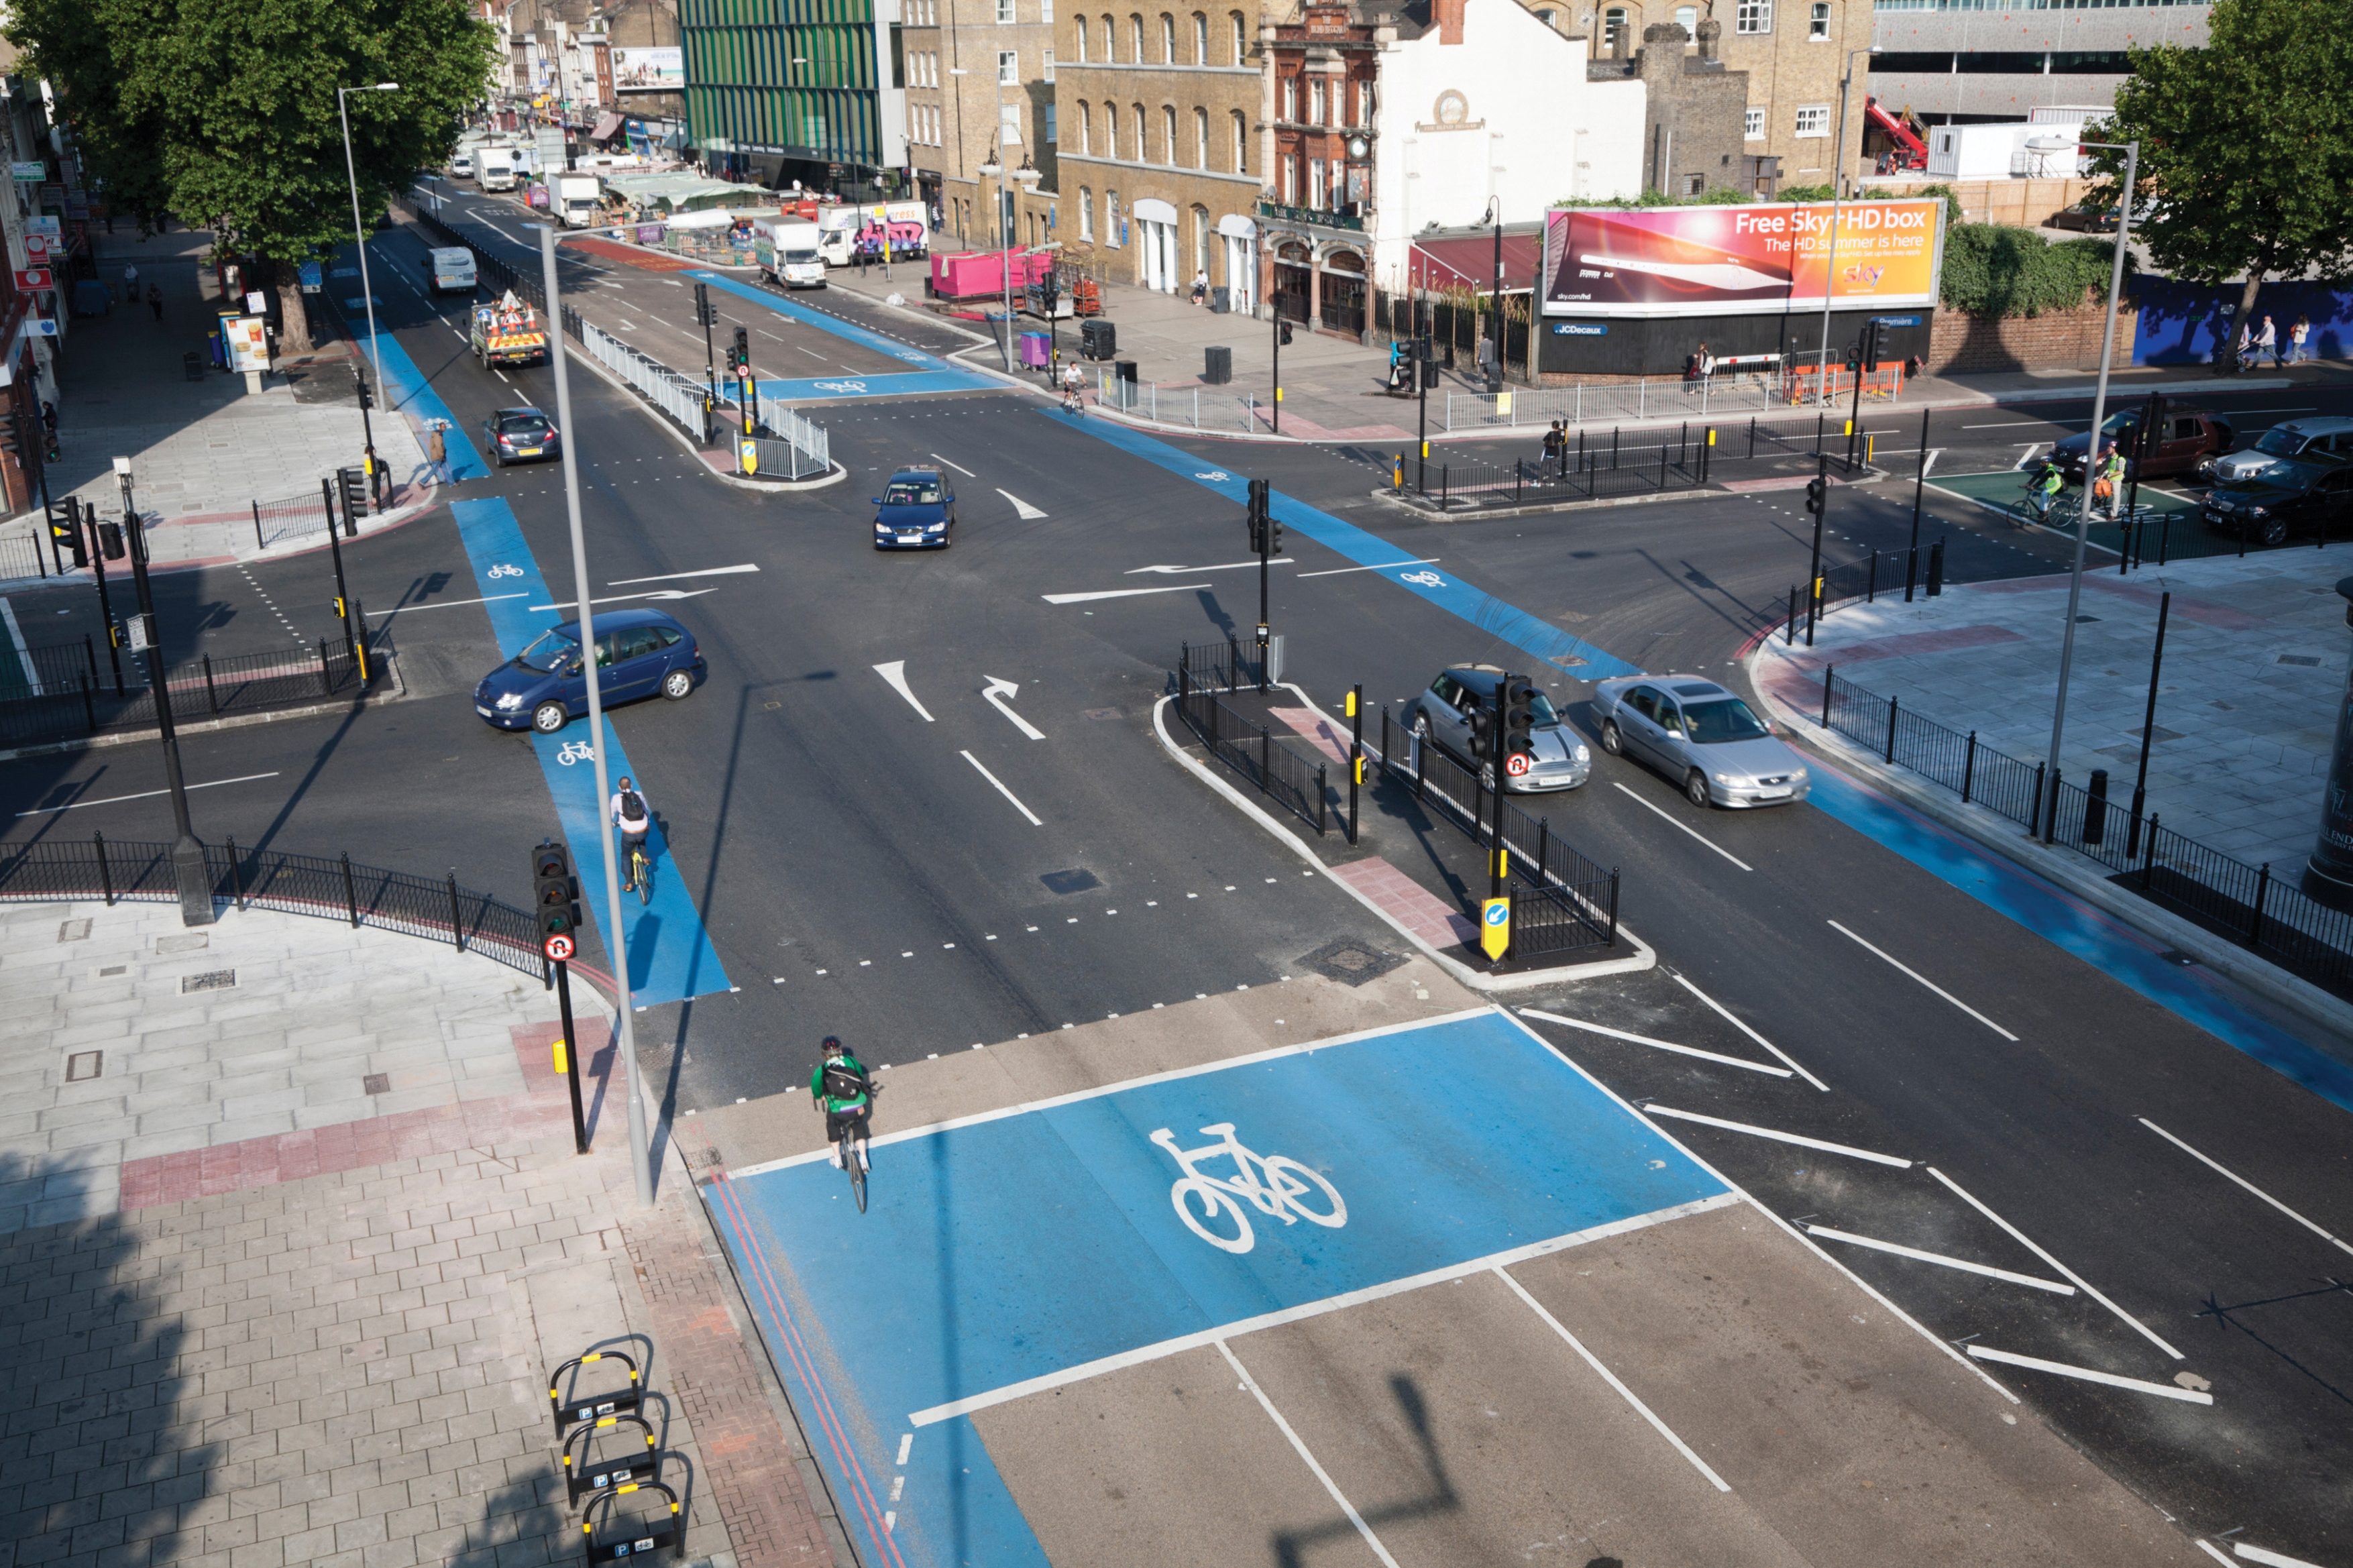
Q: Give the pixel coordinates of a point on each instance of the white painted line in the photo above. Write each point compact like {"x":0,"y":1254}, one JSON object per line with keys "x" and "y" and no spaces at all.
{"x":811,"y":353}
{"x":1778,"y":1137}
{"x":1119,"y":593}
{"x":2243,"y":1181}
{"x":764,"y":332}
{"x":1912,"y":1252}
{"x":1300,"y":1448}
{"x":1221,"y":566}
{"x":1659,"y":1044}
{"x":1337,"y":571}
{"x":1671,"y":822}
{"x":906,"y":1445}
{"x":2276,"y":1560}
{"x":1752,"y":1034}
{"x":2216,"y":1552}
{"x":895,"y":672}
{"x":1610,"y":1378}
{"x":142,"y":794}
{"x":2023,"y":424}
{"x":1022,"y":509}
{"x":1144,"y":1354}
{"x":623,"y":599}
{"x":959,"y":467}
{"x":1929,"y":466}
{"x":2076,"y":1280}
{"x":2162,"y":1390}
{"x":1924,"y":980}
{"x":1008,"y":794}
{"x":446,"y":604}
{"x":674,"y":576}
{"x":996,"y":692}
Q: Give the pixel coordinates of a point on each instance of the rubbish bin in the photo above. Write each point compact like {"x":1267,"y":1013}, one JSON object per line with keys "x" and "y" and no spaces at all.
{"x":193,"y":364}
{"x":1221,"y":300}
{"x":1098,"y":338}
{"x":1127,"y":370}
{"x":1035,"y":352}
{"x":1218,"y":365}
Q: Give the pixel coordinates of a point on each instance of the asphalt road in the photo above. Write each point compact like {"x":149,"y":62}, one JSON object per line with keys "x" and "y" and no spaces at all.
{"x":872,"y":870}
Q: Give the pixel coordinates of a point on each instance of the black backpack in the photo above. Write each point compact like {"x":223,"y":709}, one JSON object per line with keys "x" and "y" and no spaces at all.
{"x":842,"y":1081}
{"x":633,"y":806}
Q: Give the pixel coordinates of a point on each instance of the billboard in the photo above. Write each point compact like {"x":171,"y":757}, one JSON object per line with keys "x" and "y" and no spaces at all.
{"x":649,"y":69}
{"x":1738,"y":260}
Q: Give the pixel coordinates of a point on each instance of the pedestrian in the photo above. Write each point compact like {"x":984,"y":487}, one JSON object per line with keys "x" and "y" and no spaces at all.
{"x":129,"y":284}
{"x":1200,"y":284}
{"x":2246,"y":345}
{"x":1552,"y":446}
{"x":2297,"y":336}
{"x":155,"y":300}
{"x":2108,"y":480}
{"x":436,"y":454}
{"x":2267,"y":342}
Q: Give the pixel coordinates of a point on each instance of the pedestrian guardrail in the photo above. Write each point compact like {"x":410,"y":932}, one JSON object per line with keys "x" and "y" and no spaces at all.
{"x":1183,"y":406}
{"x":64,"y":694}
{"x":1250,"y":749}
{"x":666,"y":389}
{"x":1700,"y":397}
{"x":810,"y":448}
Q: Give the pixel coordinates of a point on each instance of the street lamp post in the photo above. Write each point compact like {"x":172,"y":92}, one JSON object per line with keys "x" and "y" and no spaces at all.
{"x":1496,"y":215}
{"x":188,"y":867}
{"x":2131,"y":150}
{"x":1838,"y":189}
{"x":359,"y":232}
{"x":993,"y":167}
{"x":640,"y":1164}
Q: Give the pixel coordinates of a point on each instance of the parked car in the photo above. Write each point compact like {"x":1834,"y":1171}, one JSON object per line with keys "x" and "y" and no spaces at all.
{"x":2190,"y":437}
{"x":916,"y":511}
{"x":544,"y":687}
{"x":2089,"y":217}
{"x":514,"y":434}
{"x":1700,"y":735}
{"x":2327,"y":441}
{"x":1441,"y":716}
{"x":2265,"y":506}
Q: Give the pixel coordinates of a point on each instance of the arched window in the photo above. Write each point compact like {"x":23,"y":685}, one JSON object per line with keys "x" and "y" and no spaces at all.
{"x":1143,"y":147}
{"x":1200,"y":39}
{"x":1082,"y":40}
{"x":1168,"y":134}
{"x":1241,"y":143}
{"x":1241,"y":41}
{"x":1136,"y":37}
{"x":1200,"y":137}
{"x":1548,"y":18}
{"x":1086,"y":213}
{"x":1111,"y":217}
{"x":1111,"y":43}
{"x":1086,"y":129}
{"x":1168,"y":39}
{"x":1201,"y":232}
{"x":1613,"y":27}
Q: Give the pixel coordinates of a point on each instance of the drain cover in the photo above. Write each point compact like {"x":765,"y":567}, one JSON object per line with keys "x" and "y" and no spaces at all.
{"x":376,"y":1083}
{"x":1076,"y":880}
{"x":73,"y":931}
{"x":211,"y":980}
{"x":84,"y":1065}
{"x":1350,"y":961}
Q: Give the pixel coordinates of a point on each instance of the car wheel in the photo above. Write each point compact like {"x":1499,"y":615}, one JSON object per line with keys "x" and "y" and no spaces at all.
{"x":2275,"y":531}
{"x":1421,"y":733}
{"x":678,"y":683}
{"x":549,"y":717}
{"x":1612,"y":741}
{"x":1696,"y":789}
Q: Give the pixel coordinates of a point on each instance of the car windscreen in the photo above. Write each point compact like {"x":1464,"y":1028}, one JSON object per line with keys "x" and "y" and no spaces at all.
{"x":799,"y":258}
{"x":2280,"y":441}
{"x":904,"y":494}
{"x":1541,"y":714}
{"x":2118,"y":423}
{"x":550,"y":651}
{"x":1713,"y":723}
{"x":522,"y":425}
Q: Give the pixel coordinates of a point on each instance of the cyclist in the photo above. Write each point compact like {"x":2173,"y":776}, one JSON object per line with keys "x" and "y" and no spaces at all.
{"x":2043,"y":486}
{"x":1073,"y":378}
{"x":634,"y":818}
{"x":843,"y":1089}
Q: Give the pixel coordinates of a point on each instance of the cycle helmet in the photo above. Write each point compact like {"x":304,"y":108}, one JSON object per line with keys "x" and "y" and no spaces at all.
{"x":831,"y":1044}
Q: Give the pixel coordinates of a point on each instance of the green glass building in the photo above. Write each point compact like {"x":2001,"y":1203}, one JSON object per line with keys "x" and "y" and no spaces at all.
{"x":794,"y":84}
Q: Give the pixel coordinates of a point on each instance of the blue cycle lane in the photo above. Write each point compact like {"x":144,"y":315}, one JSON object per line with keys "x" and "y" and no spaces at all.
{"x":668,"y":951}
{"x":1005,"y":1254}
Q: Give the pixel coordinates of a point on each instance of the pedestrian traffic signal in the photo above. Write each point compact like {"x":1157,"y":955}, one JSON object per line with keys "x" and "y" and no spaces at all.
{"x":367,"y":399}
{"x":1260,"y":489}
{"x":1483,"y":729}
{"x":1282,"y":333}
{"x":109,"y":541}
{"x":554,"y":891}
{"x":743,"y":347}
{"x":704,"y":316}
{"x":1818,"y":495}
{"x":1519,"y":695}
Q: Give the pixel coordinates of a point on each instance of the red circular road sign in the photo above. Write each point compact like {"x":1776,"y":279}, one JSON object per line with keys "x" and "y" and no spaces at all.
{"x":1515,"y":765}
{"x":559,"y":948}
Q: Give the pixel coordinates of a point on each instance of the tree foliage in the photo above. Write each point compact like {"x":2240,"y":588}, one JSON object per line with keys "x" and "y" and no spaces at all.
{"x":1996,"y":269}
{"x":2246,"y":145}
{"x":224,"y":112}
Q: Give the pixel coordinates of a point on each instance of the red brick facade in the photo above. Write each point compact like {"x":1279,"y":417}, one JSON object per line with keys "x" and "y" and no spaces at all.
{"x":2054,"y":340}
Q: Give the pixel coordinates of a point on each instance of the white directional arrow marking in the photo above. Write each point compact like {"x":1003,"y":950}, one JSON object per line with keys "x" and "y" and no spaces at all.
{"x":619,"y":598}
{"x":895,"y":672}
{"x":996,"y":692}
{"x":1022,"y":508}
{"x":1222,"y":566}
{"x":1118,"y":594}
{"x":673,"y":576}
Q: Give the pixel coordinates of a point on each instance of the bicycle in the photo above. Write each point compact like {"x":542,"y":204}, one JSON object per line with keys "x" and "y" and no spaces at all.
{"x":1275,"y":1184}
{"x":846,"y":1145}
{"x":640,"y":868}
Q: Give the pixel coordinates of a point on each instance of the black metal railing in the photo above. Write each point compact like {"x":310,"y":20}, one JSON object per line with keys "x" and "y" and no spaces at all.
{"x":1282,"y":775}
{"x":68,"y":695}
{"x":24,"y":558}
{"x":2269,"y":915}
{"x":1598,"y":464}
{"x":1218,"y":667}
{"x":438,"y":911}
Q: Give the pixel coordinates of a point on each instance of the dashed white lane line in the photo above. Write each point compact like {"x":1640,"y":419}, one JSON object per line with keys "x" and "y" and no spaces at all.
{"x":1924,"y":980}
{"x":992,"y":778}
{"x":2089,"y":1375}
{"x":142,"y":794}
{"x":1778,"y":1136}
{"x":959,"y":467}
{"x":1940,"y":1258}
{"x":2243,"y":1181}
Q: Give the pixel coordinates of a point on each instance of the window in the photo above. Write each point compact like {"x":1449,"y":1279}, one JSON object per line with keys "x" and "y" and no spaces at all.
{"x":1548,"y":18}
{"x":1315,"y":181}
{"x":1086,"y":128}
{"x":1082,"y":40}
{"x":1050,"y":123}
{"x":1143,"y":147}
{"x":1111,"y":217}
{"x":1168,"y":134}
{"x":1200,"y":137}
{"x":1050,"y":71}
{"x":1315,"y":115}
{"x":1290,"y":181}
{"x":1814,"y":120}
{"x":1687,"y":18}
{"x":1136,"y":38}
{"x":1086,"y":213}
{"x":1241,"y":45}
{"x":1613,"y":27}
{"x":1008,"y":67}
{"x":1753,"y":16}
{"x":1003,"y":12}
{"x":1241,"y":143}
{"x":1045,"y":10}
{"x":1693,"y":184}
{"x":1008,"y":123}
{"x":1752,"y":126}
{"x":1290,"y":98}
{"x":1168,"y":39}
{"x":1364,"y":103}
{"x":1111,"y":43}
{"x":1111,"y":130}
{"x":1200,"y":39}
{"x":1202,"y":240}
{"x":1818,"y":27}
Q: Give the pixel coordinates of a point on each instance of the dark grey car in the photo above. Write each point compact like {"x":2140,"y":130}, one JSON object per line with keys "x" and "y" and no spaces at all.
{"x":1441,"y":716}
{"x":1700,"y":736}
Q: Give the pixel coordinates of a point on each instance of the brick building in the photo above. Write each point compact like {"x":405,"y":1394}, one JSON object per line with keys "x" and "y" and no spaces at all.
{"x":1693,"y":111}
{"x":1159,"y":161}
{"x":980,"y":79}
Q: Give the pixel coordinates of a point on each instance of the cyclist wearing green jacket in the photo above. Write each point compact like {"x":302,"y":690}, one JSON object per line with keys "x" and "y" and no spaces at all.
{"x":843,"y":1091}
{"x":2043,"y":488}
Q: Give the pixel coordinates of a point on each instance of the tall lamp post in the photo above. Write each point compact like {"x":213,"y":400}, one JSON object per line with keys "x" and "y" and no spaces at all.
{"x":359,"y":232}
{"x":993,"y":167}
{"x":2131,"y":150}
{"x":188,"y":869}
{"x":1838,"y":190}
{"x":1494,"y":214}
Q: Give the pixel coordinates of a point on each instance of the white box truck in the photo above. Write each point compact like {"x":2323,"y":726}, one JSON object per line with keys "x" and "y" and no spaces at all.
{"x":495,"y":168}
{"x":574,"y":198}
{"x":792,"y":257}
{"x":837,"y":235}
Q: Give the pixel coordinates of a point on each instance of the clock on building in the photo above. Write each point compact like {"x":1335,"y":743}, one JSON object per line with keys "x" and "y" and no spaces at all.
{"x":1452,"y":109}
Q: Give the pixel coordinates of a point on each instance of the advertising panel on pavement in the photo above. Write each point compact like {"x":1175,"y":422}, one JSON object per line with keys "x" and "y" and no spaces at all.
{"x":1739,"y":259}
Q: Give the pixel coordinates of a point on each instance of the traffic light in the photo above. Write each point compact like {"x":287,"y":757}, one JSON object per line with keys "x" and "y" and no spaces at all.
{"x":1854,"y":356}
{"x":1273,"y":535}
{"x":1818,"y":495}
{"x":1282,"y":333}
{"x":704,"y":316}
{"x":743,"y":348}
{"x":353,"y":484}
{"x":109,"y":541}
{"x":1483,"y":729}
{"x":1519,"y":695}
{"x":367,"y":399}
{"x":1260,"y":489}
{"x":68,"y":533}
{"x":554,"y":891}
{"x":1868,"y":357}
{"x":12,"y":437}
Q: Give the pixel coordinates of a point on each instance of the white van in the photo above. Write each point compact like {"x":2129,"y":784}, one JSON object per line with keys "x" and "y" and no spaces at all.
{"x":797,"y":263}
{"x":496,"y":167}
{"x":461,"y":168}
{"x":451,"y":270}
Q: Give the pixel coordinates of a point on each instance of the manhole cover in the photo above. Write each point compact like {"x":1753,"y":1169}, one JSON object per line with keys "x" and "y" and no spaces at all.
{"x":1076,"y":880}
{"x":2304,"y":659}
{"x":73,"y":931}
{"x":376,"y":1083}
{"x":1350,"y":961}
{"x":1102,"y":712}
{"x":211,"y":980}
{"x":82,"y":1065}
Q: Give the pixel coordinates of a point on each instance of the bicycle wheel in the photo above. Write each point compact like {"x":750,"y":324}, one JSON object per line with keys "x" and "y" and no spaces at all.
{"x":1290,"y":1179}
{"x":1213,"y":1198}
{"x":857,"y":1169}
{"x":644,"y":870}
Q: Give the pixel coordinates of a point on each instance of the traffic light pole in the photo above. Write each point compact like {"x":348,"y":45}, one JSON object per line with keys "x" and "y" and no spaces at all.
{"x":1862,"y":368}
{"x":1265,"y":557}
{"x":188,"y":867}
{"x":617,"y":940}
{"x":571,"y":1049}
{"x":1355,"y":752}
{"x":343,"y":596}
{"x":1814,"y":572}
{"x":105,"y":606}
{"x":1276,"y":308}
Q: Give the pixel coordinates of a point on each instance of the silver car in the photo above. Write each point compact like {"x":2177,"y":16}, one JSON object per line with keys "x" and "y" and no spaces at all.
{"x":1441,"y":717}
{"x":2318,"y":441}
{"x":1701,"y":736}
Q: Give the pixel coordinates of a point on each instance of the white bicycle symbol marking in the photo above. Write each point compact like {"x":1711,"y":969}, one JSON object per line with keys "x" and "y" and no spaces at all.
{"x":840,"y":385}
{"x":1274,"y":1183}
{"x":572,"y":752}
{"x":1215,"y":476}
{"x":1426,"y":579}
{"x":498,"y":572}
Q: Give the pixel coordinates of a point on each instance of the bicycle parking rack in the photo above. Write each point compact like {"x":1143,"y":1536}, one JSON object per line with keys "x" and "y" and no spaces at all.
{"x":619,"y":1401}
{"x":583,"y":1476}
{"x":656,"y":1534}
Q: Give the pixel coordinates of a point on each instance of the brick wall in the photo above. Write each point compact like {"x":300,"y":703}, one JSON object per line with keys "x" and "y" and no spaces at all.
{"x":2054,"y":340}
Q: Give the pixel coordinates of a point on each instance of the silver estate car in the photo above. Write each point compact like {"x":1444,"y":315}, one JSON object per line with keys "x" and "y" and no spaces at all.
{"x":1441,"y":716}
{"x":1700,"y":735}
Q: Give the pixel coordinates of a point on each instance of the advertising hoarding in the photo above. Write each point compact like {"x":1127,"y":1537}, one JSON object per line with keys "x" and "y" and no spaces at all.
{"x":649,"y":69}
{"x":1740,"y":259}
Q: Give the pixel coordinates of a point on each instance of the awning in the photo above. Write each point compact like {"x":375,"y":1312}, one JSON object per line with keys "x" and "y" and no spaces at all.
{"x":1152,"y":209}
{"x":1439,"y":264}
{"x":1238,"y":227}
{"x":607,"y":124}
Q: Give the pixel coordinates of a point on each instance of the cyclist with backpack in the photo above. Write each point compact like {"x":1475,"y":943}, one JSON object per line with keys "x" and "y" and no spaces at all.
{"x":2043,"y":486}
{"x":842,"y":1089}
{"x":634,"y":818}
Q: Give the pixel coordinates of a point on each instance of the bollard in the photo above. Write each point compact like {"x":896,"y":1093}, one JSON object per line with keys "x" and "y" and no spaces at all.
{"x":2095,"y":809}
{"x":1969,"y":768}
{"x":1828,"y":672}
{"x":1937,"y":568}
{"x":350,"y":892}
{"x":1894,"y":705}
{"x":212,"y":698}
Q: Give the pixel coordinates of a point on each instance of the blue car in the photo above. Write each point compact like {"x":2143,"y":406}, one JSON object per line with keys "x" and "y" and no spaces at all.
{"x":638,"y":652}
{"x":916,"y":511}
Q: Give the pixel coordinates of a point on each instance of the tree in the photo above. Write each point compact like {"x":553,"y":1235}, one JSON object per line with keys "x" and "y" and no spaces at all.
{"x":2246,"y":145}
{"x":224,"y":112}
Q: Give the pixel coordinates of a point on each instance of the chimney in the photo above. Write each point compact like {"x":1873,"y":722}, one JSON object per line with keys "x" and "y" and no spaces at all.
{"x":1449,"y":20}
{"x":1709,"y":32}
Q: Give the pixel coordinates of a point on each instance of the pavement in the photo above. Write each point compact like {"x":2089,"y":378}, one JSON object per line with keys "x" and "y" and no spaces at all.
{"x":271,"y":1311}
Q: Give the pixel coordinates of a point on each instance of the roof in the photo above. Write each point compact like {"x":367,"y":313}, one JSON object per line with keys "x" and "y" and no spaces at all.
{"x":1438,"y":263}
